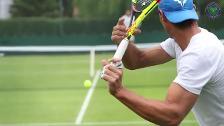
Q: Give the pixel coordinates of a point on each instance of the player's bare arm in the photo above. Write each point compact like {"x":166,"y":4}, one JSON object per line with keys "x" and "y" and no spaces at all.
{"x":144,"y":57}
{"x":169,"y":112}
{"x":134,"y":57}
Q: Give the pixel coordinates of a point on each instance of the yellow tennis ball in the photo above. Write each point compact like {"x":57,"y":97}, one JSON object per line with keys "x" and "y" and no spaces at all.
{"x":87,"y":83}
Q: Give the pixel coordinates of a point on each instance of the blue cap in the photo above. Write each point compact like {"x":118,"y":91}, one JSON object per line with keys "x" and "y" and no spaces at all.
{"x":177,"y":11}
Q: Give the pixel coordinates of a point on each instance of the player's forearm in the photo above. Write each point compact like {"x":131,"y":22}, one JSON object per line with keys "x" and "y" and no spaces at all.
{"x":131,"y":57}
{"x":157,"y":112}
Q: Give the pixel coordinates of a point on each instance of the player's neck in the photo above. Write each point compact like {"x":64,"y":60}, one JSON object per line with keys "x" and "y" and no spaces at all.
{"x":183,"y":37}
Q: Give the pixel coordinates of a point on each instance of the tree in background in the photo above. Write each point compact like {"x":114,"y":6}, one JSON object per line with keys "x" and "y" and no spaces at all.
{"x":68,"y":6}
{"x":101,"y":9}
{"x":88,"y":9}
{"x":83,"y":9}
{"x":35,"y":8}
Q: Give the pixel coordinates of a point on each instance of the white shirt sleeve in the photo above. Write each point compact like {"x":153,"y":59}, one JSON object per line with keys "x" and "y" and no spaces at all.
{"x":194,"y":72}
{"x":169,"y":47}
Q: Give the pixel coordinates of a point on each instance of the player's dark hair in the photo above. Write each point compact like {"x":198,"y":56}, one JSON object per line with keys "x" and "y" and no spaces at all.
{"x":185,"y":24}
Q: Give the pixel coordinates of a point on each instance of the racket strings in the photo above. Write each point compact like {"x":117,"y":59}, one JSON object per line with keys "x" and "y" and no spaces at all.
{"x":140,"y":5}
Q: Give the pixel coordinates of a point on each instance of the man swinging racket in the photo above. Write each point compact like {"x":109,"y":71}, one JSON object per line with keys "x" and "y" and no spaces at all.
{"x":199,"y":84}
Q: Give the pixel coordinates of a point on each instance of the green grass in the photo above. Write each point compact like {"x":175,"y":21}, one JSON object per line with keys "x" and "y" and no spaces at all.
{"x":48,"y":89}
{"x":41,"y":88}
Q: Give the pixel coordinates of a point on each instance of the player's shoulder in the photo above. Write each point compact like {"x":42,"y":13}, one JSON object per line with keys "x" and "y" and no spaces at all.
{"x":203,"y":42}
{"x":203,"y":47}
{"x":206,"y":37}
{"x":170,"y":41}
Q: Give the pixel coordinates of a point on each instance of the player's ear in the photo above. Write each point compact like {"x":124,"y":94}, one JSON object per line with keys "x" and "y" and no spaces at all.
{"x":162,"y":16}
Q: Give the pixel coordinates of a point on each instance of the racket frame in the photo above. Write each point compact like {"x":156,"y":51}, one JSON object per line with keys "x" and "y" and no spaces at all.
{"x":124,"y":43}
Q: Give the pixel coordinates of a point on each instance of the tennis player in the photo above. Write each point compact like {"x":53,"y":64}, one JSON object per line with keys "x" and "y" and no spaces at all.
{"x":199,"y":84}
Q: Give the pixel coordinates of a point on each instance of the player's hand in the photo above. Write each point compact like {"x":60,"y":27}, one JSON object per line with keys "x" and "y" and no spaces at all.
{"x":113,"y":76}
{"x":120,"y":31}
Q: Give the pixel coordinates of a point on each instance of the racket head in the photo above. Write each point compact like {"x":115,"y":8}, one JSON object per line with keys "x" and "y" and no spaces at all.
{"x":139,"y":5}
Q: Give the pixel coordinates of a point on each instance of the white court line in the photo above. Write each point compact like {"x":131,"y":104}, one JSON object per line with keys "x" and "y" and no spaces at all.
{"x":85,"y":104}
{"x":113,"y":123}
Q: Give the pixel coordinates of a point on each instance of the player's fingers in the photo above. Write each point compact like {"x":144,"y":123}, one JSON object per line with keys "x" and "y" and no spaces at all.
{"x":112,"y":78}
{"x":120,"y":21}
{"x":137,"y":31}
{"x":107,"y":72}
{"x":119,"y":33}
{"x":117,"y":63}
{"x":121,"y":28}
{"x":112,"y":69}
{"x":117,"y":39}
{"x":115,"y":70}
{"x":105,"y":62}
{"x":107,"y":78}
{"x":115,"y":60}
{"x":111,"y":73}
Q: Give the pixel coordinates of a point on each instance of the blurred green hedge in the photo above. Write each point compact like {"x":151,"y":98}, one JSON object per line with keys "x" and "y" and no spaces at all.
{"x":42,"y":26}
{"x":42,"y":31}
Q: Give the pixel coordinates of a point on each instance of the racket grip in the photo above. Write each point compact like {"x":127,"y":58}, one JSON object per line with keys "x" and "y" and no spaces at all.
{"x":121,"y":49}
{"x":118,"y":55}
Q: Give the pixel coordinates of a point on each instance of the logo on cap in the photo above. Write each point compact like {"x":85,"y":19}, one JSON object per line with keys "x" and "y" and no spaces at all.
{"x":181,"y":2}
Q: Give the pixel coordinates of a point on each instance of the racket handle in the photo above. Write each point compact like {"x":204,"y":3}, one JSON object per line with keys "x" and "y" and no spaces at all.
{"x":118,"y":55}
{"x":121,"y":49}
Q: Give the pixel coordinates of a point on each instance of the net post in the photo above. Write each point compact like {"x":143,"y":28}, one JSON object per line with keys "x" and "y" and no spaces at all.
{"x":2,"y":54}
{"x":92,"y":62}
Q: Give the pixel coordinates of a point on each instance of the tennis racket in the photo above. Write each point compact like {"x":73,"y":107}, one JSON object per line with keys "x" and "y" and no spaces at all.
{"x":143,"y":6}
{"x":136,"y":8}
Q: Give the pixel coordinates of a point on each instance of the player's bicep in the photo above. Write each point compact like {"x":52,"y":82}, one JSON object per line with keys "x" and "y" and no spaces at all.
{"x":180,"y":99}
{"x":154,"y":56}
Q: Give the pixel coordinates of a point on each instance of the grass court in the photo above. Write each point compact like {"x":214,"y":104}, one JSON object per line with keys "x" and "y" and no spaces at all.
{"x":47,"y":90}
